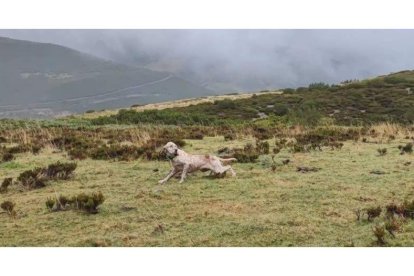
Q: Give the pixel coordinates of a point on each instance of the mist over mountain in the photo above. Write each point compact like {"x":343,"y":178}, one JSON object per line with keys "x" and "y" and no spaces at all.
{"x":245,"y":60}
{"x":43,"y":80}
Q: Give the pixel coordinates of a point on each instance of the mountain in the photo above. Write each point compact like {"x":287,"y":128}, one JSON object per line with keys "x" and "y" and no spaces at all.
{"x":44,"y":80}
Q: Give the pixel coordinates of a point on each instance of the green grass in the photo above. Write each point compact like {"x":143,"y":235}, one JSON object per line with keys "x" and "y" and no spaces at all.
{"x":257,"y":208}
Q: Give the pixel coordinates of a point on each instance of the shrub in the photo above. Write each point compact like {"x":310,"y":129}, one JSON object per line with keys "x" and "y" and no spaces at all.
{"x":59,"y":170}
{"x":382,"y":151}
{"x":5,"y":184}
{"x":408,"y":148}
{"x":32,"y":179}
{"x":373,"y":212}
{"x":7,"y":157}
{"x":225,"y":104}
{"x":246,"y":157}
{"x":8,"y":206}
{"x":280,"y":109}
{"x":37,"y":178}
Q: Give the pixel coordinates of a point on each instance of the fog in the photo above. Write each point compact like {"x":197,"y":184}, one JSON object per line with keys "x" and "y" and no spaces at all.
{"x":237,"y":60}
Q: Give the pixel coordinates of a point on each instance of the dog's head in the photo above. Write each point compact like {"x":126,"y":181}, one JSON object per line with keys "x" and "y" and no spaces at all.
{"x":171,"y":150}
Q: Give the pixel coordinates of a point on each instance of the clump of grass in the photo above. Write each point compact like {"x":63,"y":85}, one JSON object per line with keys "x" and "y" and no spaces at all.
{"x":373,"y":212}
{"x":5,"y":184}
{"x":408,"y":148}
{"x":8,"y":206}
{"x":382,"y":151}
{"x":88,"y":203}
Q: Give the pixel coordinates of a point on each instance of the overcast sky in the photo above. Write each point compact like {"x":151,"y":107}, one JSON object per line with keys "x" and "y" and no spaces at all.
{"x":245,"y":59}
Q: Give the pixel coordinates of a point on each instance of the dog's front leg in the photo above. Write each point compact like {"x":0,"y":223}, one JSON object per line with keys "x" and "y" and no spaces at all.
{"x":184,"y":173}
{"x":171,"y":174}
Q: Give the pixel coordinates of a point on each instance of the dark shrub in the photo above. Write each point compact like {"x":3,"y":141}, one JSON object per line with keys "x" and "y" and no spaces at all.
{"x":3,"y":140}
{"x":225,"y":104}
{"x":5,"y":184}
{"x":373,"y":212}
{"x":408,"y":148}
{"x":8,"y":206}
{"x":32,"y":179}
{"x":280,"y":109}
{"x":7,"y":157}
{"x":59,"y":170}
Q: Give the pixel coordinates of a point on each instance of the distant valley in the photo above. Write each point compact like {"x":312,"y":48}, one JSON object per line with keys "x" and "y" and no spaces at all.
{"x":41,"y":80}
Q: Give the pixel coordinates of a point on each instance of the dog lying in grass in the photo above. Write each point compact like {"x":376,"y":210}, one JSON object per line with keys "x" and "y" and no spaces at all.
{"x":184,"y":163}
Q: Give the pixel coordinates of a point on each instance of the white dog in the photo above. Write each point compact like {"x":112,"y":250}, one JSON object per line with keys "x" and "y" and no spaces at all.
{"x":187,"y":163}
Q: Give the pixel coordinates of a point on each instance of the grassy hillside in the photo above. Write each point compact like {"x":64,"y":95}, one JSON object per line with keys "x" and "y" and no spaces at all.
{"x":382,"y":99}
{"x":262,"y":206}
{"x":40,"y":77}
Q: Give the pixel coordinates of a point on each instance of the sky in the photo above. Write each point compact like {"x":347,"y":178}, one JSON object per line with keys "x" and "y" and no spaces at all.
{"x":245,"y":60}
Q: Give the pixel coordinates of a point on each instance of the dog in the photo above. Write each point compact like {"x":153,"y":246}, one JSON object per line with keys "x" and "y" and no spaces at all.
{"x":184,"y":163}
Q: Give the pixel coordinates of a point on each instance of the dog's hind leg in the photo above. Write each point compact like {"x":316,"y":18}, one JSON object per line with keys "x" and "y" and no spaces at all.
{"x":228,"y":168}
{"x":184,"y":173}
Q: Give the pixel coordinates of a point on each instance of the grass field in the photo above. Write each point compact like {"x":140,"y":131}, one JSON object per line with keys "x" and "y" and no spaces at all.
{"x":259,"y":207}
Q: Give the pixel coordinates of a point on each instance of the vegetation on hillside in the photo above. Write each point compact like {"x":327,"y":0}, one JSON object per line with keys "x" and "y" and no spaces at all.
{"x":383,"y":99}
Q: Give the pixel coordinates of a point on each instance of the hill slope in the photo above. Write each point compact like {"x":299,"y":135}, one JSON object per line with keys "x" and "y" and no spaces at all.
{"x":39,"y":79}
{"x":383,"y":99}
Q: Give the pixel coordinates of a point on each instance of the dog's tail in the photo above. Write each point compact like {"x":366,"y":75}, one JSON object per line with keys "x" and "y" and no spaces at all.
{"x":227,"y":160}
